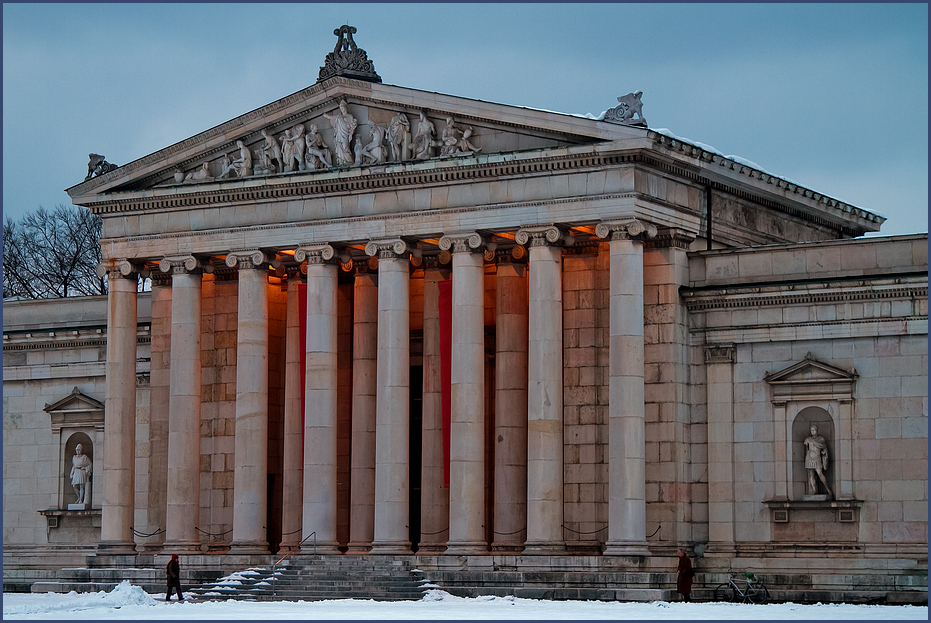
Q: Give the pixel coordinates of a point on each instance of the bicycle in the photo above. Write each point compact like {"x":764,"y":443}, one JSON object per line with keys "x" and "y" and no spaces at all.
{"x":755,"y":591}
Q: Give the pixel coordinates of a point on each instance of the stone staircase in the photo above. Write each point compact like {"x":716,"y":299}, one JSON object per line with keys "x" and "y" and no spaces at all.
{"x":315,"y":578}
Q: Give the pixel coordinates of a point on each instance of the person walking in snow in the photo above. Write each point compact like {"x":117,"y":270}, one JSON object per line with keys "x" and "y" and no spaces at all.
{"x":173,"y":575}
{"x":684,"y":575}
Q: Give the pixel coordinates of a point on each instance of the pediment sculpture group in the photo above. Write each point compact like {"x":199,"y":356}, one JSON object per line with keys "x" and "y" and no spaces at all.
{"x":303,"y":148}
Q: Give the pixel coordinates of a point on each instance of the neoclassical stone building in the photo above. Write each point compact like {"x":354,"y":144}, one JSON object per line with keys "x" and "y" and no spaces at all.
{"x":399,"y":322}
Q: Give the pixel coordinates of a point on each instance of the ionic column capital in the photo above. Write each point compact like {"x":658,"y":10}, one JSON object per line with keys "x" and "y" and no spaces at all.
{"x":183,"y":265}
{"x":462,"y":242}
{"x":625,"y":229}
{"x":540,"y":236}
{"x":122,"y":268}
{"x":247,"y":258}
{"x":392,"y":248}
{"x":315,"y":253}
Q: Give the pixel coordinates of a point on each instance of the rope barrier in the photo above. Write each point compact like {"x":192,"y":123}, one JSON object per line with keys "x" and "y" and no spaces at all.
{"x":145,"y":536}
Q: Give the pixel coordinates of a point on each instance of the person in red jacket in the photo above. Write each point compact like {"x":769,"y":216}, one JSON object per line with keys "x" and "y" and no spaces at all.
{"x":684,"y":575}
{"x":173,"y":574}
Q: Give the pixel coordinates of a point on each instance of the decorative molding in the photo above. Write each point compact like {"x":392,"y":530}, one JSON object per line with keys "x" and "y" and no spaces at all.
{"x":800,"y":293}
{"x":386,"y":249}
{"x":315,"y":253}
{"x":625,"y":229}
{"x":461,"y":242}
{"x":720,"y":353}
{"x":246,"y":259}
{"x":540,"y":236}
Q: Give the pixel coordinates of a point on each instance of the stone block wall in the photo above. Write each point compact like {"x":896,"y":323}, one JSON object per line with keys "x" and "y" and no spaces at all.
{"x":585,"y":396}
{"x":219,"y":320}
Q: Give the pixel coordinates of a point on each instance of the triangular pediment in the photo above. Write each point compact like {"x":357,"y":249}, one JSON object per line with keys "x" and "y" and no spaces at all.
{"x":811,"y":371}
{"x":75,"y":402}
{"x":481,"y":128}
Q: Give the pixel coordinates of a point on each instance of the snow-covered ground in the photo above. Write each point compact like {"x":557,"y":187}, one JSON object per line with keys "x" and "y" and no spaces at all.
{"x":131,"y":602}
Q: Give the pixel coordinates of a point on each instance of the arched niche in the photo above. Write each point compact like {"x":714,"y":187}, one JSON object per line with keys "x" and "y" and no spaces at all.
{"x":801,"y":429}
{"x":87,"y":446}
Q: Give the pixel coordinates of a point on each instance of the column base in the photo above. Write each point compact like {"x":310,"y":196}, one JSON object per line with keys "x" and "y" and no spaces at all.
{"x":430,"y":549}
{"x":359,"y":548}
{"x":402,"y":548}
{"x":248,"y":548}
{"x":544,"y":548}
{"x":116,"y":548}
{"x":182,"y":547}
{"x":626,"y":548}
{"x":321,"y":549}
{"x":466,"y":548}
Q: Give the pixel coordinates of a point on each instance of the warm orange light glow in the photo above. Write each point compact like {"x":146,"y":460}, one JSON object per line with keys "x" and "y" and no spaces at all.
{"x":504,"y":234}
{"x":287,"y":252}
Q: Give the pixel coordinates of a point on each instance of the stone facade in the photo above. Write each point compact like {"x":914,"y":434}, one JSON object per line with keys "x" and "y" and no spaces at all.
{"x":622,"y":375}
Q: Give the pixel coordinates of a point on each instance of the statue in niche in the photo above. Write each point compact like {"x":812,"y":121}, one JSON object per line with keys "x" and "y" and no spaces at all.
{"x":816,"y":462}
{"x":424,"y":141}
{"x":98,"y":165}
{"x":81,"y":469}
{"x":272,"y":149}
{"x":292,"y":148}
{"x":374,"y":152}
{"x":344,"y":125}
{"x":456,"y":141}
{"x":399,"y":138}
{"x":317,"y":151}
{"x":200,"y":174}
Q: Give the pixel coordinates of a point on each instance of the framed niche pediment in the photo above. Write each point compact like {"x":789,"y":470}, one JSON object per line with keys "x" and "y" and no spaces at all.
{"x":812,"y":379}
{"x":76,"y":410}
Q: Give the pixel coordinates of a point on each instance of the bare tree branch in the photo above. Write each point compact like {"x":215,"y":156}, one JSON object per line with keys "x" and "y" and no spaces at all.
{"x":51,"y":254}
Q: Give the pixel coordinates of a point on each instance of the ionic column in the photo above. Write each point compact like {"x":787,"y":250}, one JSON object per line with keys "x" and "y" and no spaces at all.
{"x":544,"y":391}
{"x":510,"y":404}
{"x":467,"y":395}
{"x":119,"y":442}
{"x":293,"y":450}
{"x":626,"y":436}
{"x":183,"y":507}
{"x":434,"y":500}
{"x":250,"y":475}
{"x":364,"y":406}
{"x":392,"y":414}
{"x":320,"y":381}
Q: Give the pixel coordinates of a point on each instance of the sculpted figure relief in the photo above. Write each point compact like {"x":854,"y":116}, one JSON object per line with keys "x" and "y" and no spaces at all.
{"x":344,"y":124}
{"x":399,"y":138}
{"x":424,"y":141}
{"x":375,"y":150}
{"x":317,"y":151}
{"x":816,"y":462}
{"x":292,"y":148}
{"x":81,"y":469}
{"x":200,"y":174}
{"x":272,"y":149}
{"x":241,"y":166}
{"x":359,"y":151}
{"x":456,"y":140}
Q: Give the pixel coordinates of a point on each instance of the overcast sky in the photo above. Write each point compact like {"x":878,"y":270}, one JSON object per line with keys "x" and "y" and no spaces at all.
{"x":832,"y":96}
